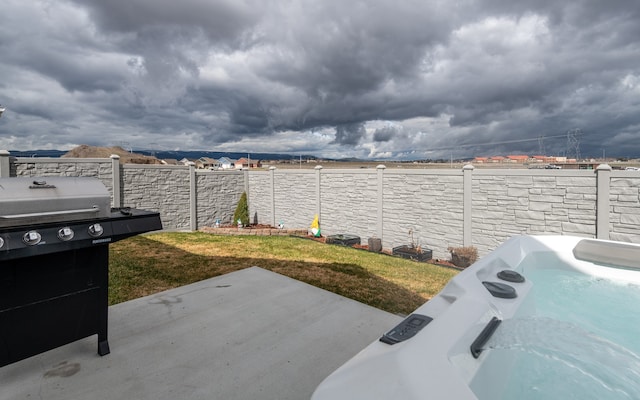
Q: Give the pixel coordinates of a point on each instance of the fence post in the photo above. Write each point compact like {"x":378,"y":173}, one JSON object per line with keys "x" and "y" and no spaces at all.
{"x":5,"y":165}
{"x":272,"y":176}
{"x":467,"y":202}
{"x":245,"y":173}
{"x":115,"y":177}
{"x":193,"y":196}
{"x":603,"y":182}
{"x":380,"y":202}
{"x":318,"y":169}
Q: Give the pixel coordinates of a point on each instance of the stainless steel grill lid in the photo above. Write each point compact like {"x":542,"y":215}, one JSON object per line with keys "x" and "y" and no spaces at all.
{"x":29,"y":200}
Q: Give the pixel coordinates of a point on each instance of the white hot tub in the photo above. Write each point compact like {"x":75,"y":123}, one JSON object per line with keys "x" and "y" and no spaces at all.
{"x":571,"y":329}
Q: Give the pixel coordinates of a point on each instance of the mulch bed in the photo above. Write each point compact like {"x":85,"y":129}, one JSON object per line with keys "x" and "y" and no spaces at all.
{"x":254,"y":229}
{"x":435,"y":261}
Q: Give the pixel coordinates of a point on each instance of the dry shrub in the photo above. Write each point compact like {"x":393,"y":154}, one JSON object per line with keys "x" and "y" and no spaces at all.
{"x":464,"y":256}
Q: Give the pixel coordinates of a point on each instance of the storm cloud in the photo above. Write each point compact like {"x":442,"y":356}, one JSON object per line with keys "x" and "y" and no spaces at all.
{"x":376,"y":79}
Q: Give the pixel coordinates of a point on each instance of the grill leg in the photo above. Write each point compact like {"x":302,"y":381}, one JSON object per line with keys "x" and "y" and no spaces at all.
{"x":103,"y":348}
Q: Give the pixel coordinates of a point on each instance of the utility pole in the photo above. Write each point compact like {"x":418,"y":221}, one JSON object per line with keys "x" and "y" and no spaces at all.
{"x":541,"y":150}
{"x":573,"y":143}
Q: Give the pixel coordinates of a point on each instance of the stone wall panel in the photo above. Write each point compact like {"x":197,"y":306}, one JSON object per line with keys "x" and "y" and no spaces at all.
{"x":425,"y":206}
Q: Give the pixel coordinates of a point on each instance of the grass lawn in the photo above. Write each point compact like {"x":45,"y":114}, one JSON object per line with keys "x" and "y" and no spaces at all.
{"x":147,"y":264}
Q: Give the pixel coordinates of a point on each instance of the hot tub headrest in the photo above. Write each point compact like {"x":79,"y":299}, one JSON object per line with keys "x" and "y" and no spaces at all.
{"x":625,"y":255}
{"x":500,"y":290}
{"x":510,"y":275}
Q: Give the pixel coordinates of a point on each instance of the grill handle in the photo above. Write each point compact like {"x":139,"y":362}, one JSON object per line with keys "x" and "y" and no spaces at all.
{"x":94,"y":209}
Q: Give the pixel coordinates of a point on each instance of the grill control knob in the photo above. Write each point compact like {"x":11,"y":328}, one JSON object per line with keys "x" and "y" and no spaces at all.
{"x":31,"y":238}
{"x":96,"y":230}
{"x":65,"y":234}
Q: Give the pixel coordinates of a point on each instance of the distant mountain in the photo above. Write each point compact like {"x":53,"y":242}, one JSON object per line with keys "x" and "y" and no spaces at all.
{"x":37,"y":153}
{"x":84,"y":151}
{"x":160,"y":154}
{"x":195,"y":154}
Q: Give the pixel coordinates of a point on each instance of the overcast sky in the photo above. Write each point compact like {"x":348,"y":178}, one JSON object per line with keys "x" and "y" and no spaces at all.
{"x":379,"y":79}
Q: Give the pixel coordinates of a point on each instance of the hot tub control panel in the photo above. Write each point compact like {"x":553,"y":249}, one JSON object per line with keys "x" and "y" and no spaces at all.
{"x":406,"y":329}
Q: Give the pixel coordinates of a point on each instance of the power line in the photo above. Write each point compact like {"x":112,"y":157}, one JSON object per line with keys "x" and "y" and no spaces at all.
{"x":457,"y":146}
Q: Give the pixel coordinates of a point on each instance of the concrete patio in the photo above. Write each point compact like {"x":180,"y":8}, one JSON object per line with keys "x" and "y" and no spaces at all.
{"x":251,"y":334}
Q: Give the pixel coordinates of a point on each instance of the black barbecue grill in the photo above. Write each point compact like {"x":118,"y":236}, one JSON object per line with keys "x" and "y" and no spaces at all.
{"x":54,"y":259}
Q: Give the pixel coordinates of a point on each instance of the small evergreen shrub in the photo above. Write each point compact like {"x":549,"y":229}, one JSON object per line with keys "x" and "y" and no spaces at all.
{"x":242,"y":211}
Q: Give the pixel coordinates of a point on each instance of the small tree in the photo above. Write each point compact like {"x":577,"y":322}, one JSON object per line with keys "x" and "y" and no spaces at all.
{"x":242,"y":211}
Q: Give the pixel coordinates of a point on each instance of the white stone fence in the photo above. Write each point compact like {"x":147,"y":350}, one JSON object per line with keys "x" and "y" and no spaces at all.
{"x":441,"y":208}
{"x":430,"y":207}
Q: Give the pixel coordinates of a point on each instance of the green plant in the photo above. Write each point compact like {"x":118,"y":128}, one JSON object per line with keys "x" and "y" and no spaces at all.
{"x":242,"y":211}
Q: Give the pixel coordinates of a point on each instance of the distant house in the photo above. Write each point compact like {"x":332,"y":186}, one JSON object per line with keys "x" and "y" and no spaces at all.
{"x":496,"y":159}
{"x":169,"y":161}
{"x":207,"y":163}
{"x":184,"y":161}
{"x":538,"y":159}
{"x":544,"y":159}
{"x":518,"y":158}
{"x":247,"y":163}
{"x":242,"y":163}
{"x":226,"y":163}
{"x":481,"y":160}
